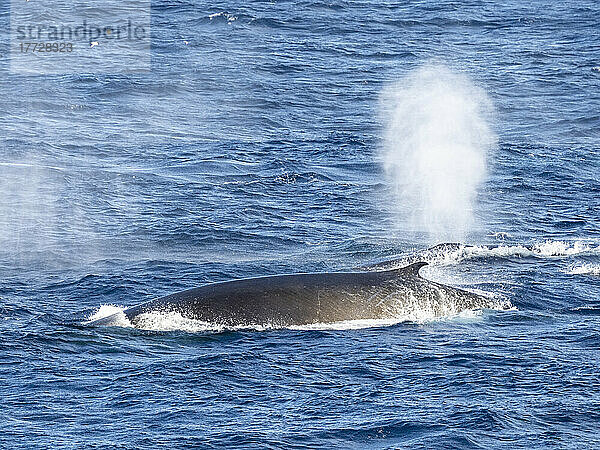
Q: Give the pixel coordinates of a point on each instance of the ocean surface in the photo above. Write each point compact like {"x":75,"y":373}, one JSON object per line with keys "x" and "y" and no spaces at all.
{"x":257,"y":145}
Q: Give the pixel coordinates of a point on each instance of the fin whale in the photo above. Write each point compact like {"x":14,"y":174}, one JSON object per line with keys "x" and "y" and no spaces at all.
{"x":304,"y":299}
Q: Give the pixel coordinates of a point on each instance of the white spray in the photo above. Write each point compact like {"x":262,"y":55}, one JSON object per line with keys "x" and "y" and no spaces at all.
{"x":436,"y":143}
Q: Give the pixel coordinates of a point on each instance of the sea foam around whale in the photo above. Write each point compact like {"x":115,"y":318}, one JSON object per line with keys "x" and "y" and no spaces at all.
{"x":455,"y":254}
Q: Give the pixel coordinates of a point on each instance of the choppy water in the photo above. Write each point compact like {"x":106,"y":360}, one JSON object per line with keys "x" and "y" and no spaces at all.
{"x":254,"y":149}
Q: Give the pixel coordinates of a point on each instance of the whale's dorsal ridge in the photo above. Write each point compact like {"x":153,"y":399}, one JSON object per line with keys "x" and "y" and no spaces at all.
{"x":411,"y":270}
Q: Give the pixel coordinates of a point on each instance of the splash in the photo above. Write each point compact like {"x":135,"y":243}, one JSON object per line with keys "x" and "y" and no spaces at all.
{"x":120,"y":320}
{"x":450,"y":254}
{"x":585,"y":269}
{"x":541,"y":250}
{"x":437,"y":140}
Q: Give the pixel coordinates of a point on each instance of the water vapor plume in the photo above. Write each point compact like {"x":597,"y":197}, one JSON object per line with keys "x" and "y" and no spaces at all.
{"x":437,"y":140}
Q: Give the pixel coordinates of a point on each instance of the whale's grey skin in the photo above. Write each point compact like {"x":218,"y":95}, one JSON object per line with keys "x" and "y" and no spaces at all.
{"x":303,"y":299}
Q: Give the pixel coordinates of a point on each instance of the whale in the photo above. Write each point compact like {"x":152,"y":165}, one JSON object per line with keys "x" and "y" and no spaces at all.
{"x":309,"y":298}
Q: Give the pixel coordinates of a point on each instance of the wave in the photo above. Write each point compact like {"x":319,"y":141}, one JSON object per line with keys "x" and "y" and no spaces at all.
{"x":223,"y":15}
{"x":547,"y":249}
{"x":585,"y":269}
{"x":451,"y":253}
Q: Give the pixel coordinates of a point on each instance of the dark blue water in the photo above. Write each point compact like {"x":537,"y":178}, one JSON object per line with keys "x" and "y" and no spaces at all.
{"x":255,"y":149}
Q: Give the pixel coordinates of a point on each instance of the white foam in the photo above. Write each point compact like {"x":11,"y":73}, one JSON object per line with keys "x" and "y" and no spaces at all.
{"x":561,"y":248}
{"x":230,"y":17}
{"x":119,"y":320}
{"x":585,"y":269}
{"x":347,"y":325}
{"x":174,"y":321}
{"x":542,"y":250}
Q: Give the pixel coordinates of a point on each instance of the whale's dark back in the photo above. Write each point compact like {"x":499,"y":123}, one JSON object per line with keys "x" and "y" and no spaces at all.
{"x":287,"y":299}
{"x":302,"y":299}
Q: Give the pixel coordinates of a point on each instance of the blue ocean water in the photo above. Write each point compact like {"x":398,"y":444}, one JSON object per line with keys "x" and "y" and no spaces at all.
{"x":253,"y":147}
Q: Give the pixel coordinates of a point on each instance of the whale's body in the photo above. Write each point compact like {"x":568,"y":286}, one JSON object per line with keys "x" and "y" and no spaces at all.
{"x":304,"y":299}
